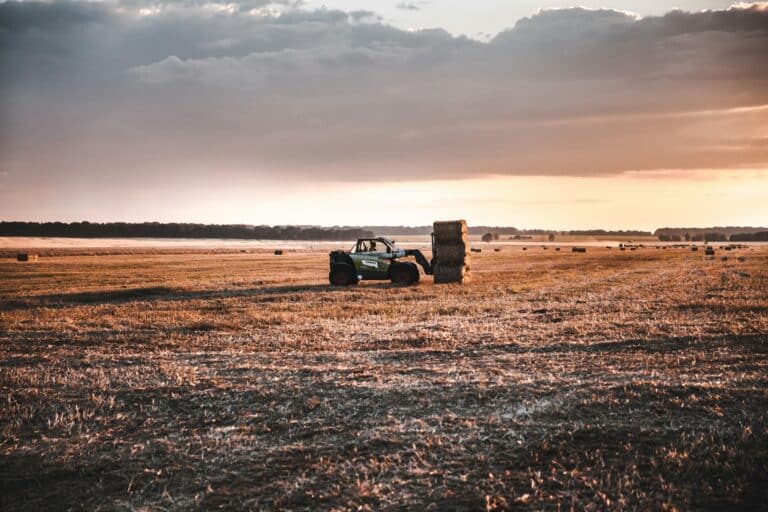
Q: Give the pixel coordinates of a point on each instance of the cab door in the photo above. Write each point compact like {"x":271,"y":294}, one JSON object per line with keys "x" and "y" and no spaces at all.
{"x":372,"y":263}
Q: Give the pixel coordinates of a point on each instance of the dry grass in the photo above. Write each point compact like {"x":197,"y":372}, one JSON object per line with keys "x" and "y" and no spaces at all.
{"x":605,"y":380}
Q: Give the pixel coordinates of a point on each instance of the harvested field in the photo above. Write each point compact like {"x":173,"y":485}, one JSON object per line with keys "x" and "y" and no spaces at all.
{"x":604,"y":380}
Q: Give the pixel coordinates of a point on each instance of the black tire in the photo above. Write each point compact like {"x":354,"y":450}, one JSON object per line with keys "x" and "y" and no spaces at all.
{"x":342,"y":275}
{"x":404,"y":274}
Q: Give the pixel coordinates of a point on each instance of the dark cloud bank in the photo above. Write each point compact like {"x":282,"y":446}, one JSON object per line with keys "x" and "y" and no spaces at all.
{"x":105,"y":91}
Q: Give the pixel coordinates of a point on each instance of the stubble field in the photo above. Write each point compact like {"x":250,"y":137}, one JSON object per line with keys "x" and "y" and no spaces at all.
{"x":611,"y":380}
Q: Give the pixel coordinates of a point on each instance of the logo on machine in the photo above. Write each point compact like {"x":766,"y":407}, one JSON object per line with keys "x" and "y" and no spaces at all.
{"x":370,"y":263}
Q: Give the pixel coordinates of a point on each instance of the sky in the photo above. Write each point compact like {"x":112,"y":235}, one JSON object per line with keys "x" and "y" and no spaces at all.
{"x":342,"y":112}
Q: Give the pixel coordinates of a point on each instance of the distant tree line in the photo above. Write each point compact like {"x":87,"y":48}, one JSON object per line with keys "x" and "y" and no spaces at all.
{"x":178,"y":230}
{"x":502,"y":230}
{"x":715,"y":234}
{"x":760,"y":236}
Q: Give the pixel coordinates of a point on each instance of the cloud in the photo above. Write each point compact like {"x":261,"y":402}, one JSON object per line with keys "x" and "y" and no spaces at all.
{"x":408,"y":6}
{"x":120,"y":92}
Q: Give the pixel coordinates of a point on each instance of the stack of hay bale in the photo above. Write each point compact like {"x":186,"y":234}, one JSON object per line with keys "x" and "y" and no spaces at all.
{"x":450,"y":251}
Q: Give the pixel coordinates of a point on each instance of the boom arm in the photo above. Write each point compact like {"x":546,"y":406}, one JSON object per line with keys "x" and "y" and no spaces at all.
{"x":421,"y":260}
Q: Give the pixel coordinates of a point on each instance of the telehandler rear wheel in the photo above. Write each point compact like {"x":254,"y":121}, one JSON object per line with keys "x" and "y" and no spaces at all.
{"x":404,"y":273}
{"x":342,"y":275}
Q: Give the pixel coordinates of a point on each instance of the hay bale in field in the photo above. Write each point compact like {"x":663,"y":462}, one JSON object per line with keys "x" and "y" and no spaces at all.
{"x":446,"y":273}
{"x":579,"y":249}
{"x":694,"y":249}
{"x":709,"y":251}
{"x":451,"y":251}
{"x":454,"y":253}
{"x":557,"y":249}
{"x":26,"y":256}
{"x":476,"y":250}
{"x":497,"y":249}
{"x":450,"y":229}
{"x":278,"y":252}
{"x":525,"y":248}
{"x":742,"y":259}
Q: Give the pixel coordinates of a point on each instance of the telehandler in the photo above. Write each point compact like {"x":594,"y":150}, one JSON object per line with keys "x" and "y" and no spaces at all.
{"x":377,"y":259}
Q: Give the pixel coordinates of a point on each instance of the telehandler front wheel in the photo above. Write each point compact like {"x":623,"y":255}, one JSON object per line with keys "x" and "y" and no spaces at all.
{"x":404,"y":274}
{"x":342,"y":275}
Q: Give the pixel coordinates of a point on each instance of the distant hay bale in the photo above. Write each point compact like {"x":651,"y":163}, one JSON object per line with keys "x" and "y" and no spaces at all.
{"x":709,"y":251}
{"x":26,"y":256}
{"x":476,"y":250}
{"x":742,"y":259}
{"x":694,"y":249}
{"x":579,"y":249}
{"x":525,"y":248}
{"x":557,"y":249}
{"x":278,"y":252}
{"x":497,"y":249}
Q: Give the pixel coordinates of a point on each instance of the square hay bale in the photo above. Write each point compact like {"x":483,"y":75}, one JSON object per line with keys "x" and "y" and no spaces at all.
{"x":278,"y":252}
{"x":579,"y":249}
{"x":446,"y":273}
{"x":451,"y":253}
{"x":451,"y":232}
{"x":26,"y":256}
